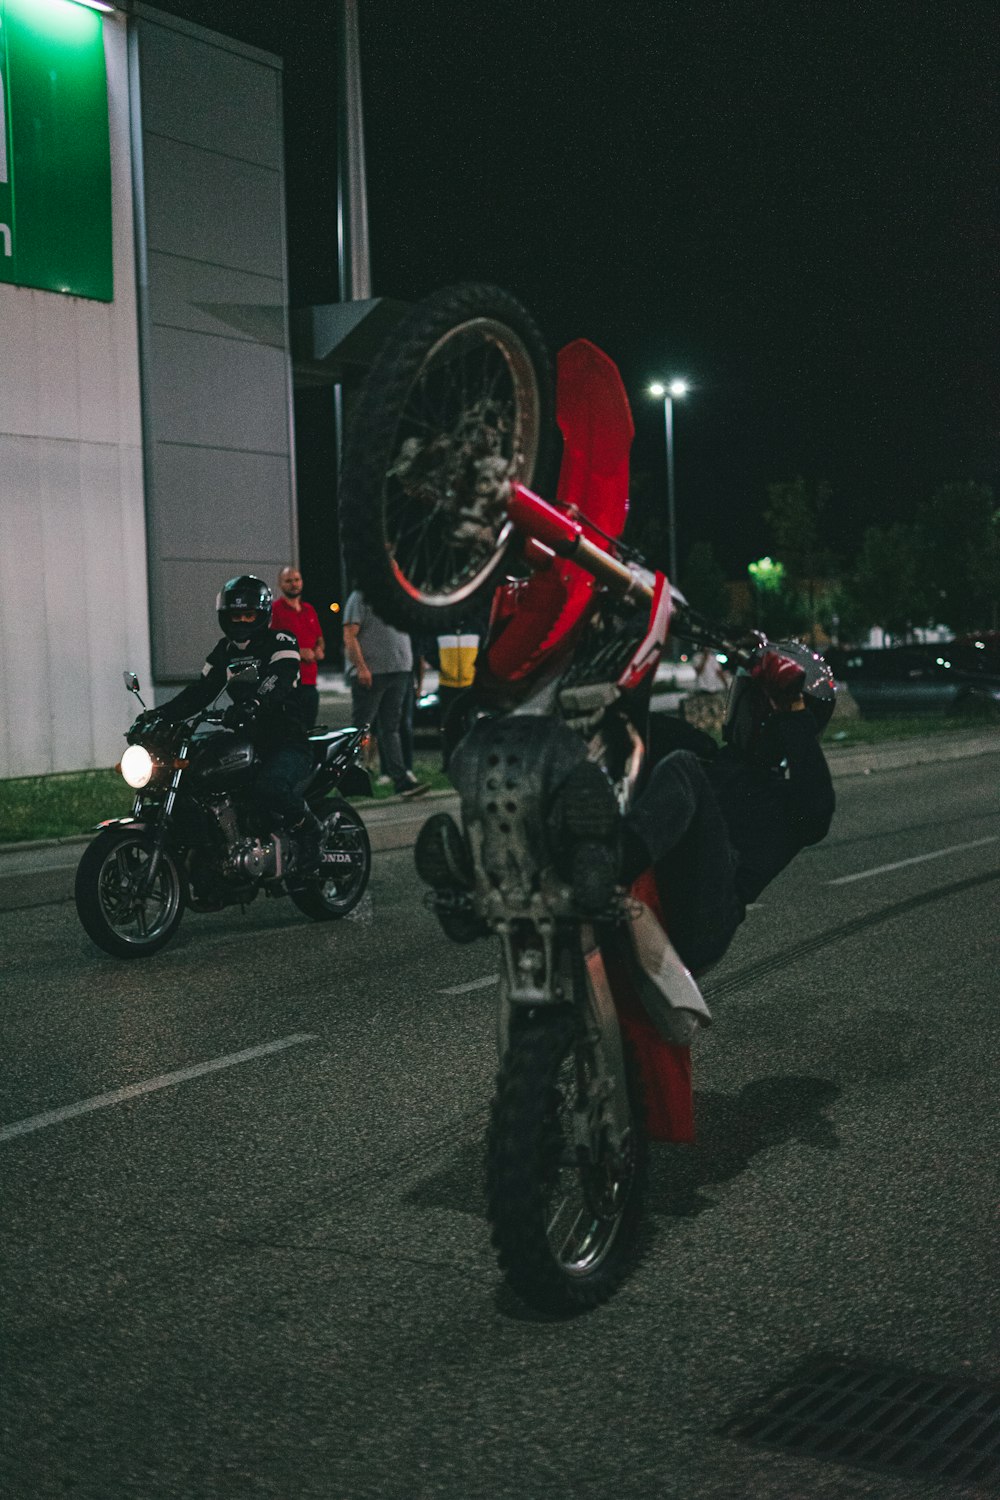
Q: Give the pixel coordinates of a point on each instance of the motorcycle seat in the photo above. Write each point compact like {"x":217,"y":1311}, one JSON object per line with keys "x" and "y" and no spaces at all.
{"x":323,"y":742}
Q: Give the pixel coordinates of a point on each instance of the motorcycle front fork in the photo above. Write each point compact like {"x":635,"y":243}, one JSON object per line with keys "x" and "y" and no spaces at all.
{"x":163,"y":822}
{"x":531,"y":981}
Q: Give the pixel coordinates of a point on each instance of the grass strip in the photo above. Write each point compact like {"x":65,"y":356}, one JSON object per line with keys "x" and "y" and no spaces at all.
{"x":73,"y":802}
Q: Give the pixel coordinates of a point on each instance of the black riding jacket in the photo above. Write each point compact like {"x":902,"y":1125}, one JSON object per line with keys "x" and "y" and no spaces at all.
{"x":772,"y":813}
{"x":275,"y":653}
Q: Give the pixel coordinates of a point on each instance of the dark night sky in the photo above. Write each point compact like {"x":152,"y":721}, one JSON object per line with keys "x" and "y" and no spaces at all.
{"x":794,"y":206}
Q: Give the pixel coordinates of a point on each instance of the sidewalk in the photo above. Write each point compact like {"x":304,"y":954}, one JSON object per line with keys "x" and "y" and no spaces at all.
{"x":42,"y":873}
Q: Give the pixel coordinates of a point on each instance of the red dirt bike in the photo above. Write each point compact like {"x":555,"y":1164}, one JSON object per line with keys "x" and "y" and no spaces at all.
{"x":452,"y":427}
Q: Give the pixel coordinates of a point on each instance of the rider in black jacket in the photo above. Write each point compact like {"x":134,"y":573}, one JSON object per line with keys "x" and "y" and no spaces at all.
{"x":260,"y":669}
{"x":717,"y":825}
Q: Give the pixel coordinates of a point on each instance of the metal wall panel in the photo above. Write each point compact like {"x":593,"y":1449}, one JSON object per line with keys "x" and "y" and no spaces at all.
{"x":198,"y":88}
{"x":211,"y":207}
{"x":216,"y":364}
{"x":186,"y":293}
{"x":217,"y":393}
{"x":245,"y":489}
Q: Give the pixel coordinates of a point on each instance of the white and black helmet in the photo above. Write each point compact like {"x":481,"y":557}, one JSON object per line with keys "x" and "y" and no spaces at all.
{"x":244,"y":595}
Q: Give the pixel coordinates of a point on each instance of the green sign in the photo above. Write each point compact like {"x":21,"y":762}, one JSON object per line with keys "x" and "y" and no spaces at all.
{"x":55,"y":160}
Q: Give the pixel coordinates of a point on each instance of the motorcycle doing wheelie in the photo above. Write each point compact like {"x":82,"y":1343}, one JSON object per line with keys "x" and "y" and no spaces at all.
{"x":195,"y":838}
{"x":450,"y":430}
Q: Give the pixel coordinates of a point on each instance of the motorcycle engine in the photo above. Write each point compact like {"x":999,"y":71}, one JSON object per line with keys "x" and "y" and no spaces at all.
{"x":249,"y":859}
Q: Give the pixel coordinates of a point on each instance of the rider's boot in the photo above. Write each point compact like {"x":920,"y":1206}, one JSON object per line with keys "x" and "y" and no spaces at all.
{"x":585,"y":829}
{"x":442,"y":860}
{"x":307,"y":835}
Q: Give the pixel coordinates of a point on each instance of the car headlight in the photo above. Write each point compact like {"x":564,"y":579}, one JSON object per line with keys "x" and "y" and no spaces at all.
{"x":137,"y":766}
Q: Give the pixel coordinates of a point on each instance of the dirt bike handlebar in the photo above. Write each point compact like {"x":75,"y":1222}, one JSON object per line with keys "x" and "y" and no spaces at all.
{"x":551,"y":528}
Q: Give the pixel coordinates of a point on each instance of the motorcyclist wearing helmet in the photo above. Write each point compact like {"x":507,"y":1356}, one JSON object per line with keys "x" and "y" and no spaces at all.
{"x":259,"y":667}
{"x":715,"y":825}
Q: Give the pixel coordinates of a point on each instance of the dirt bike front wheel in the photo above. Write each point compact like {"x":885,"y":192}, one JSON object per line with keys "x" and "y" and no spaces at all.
{"x":566,"y":1217}
{"x":457,"y":407}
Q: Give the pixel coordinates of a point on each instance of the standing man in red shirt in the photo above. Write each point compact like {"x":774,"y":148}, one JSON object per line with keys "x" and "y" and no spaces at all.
{"x":291,"y":612}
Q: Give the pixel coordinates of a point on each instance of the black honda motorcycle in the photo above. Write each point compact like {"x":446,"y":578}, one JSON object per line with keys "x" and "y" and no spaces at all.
{"x":196,"y":839}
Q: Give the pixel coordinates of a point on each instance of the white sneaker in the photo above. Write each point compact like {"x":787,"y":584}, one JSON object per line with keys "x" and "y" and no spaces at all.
{"x":384,"y":781}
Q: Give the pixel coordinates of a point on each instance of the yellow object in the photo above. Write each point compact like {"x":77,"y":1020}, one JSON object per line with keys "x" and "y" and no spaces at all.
{"x":457,"y":660}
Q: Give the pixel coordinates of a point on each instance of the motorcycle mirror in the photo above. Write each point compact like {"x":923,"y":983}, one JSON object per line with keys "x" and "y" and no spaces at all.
{"x":131,"y":682}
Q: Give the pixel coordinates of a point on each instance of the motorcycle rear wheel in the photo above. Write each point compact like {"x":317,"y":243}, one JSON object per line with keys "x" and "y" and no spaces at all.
{"x":337,"y":888}
{"x":566,"y":1228}
{"x":457,"y":406}
{"x":111,"y":910}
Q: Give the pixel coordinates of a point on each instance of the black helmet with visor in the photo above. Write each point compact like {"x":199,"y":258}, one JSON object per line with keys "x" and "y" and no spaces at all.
{"x":244,"y":607}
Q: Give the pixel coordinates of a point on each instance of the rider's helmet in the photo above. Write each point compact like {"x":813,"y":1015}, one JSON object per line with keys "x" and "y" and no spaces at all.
{"x":776,"y":672}
{"x":245,"y":595}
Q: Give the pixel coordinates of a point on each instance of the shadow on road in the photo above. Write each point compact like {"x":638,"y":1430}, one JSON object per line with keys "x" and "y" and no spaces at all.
{"x":731,"y":1130}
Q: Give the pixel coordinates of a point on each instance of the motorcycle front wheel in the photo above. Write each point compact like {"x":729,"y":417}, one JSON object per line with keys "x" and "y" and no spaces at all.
{"x":457,"y":407}
{"x":342,"y":878}
{"x":116,"y":910}
{"x":565,"y":1215}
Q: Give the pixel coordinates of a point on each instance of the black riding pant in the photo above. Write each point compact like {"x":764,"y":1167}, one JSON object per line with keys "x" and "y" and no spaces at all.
{"x":677,"y":820}
{"x":281,"y":773}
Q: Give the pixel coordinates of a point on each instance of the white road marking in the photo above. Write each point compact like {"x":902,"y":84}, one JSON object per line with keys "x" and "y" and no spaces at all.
{"x":915,"y":859}
{"x":164,"y":1081}
{"x":475,"y":984}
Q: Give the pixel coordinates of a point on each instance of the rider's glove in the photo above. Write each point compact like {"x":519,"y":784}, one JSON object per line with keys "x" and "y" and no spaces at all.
{"x":780,"y":677}
{"x":148,"y":721}
{"x":239,"y":715}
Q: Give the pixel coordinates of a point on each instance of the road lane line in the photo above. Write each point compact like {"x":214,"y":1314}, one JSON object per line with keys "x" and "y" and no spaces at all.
{"x":916,"y":859}
{"x":476,"y":984}
{"x":164,"y":1081}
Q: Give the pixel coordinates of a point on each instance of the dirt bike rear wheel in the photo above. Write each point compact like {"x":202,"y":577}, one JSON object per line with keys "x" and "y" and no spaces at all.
{"x":566,"y":1229}
{"x":457,"y":406}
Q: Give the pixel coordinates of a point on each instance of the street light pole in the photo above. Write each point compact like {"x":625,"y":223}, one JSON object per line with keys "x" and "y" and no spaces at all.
{"x":675,"y":389}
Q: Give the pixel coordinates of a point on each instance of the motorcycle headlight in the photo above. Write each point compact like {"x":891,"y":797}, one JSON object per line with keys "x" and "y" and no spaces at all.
{"x":137,"y":766}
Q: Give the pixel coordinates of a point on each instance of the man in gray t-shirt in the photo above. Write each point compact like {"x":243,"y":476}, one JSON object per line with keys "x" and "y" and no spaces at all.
{"x":379,"y":668}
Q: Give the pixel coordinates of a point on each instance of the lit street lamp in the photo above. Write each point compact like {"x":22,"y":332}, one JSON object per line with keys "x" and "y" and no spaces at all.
{"x":670,"y":393}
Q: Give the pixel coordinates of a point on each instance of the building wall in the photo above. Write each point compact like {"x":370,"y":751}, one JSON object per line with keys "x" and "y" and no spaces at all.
{"x":215,"y":352}
{"x":73,"y":595}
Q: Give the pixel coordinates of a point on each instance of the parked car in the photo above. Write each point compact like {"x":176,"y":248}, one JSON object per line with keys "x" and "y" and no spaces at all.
{"x":955,"y":678}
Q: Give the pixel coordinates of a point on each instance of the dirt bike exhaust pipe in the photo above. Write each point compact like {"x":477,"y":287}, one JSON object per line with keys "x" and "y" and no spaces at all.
{"x":537,"y":518}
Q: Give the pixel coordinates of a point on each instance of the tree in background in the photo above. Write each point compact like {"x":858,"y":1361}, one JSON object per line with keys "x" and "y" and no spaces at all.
{"x":794,"y":515}
{"x":882,"y":588}
{"x":703,"y":583}
{"x":957,"y":540}
{"x":777,"y":608}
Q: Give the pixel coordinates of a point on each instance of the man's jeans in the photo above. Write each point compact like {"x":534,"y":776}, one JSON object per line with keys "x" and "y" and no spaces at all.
{"x":678,"y":819}
{"x":383,"y":702}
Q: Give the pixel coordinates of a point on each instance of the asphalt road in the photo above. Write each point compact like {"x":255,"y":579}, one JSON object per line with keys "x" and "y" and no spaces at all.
{"x":273,"y":1277}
